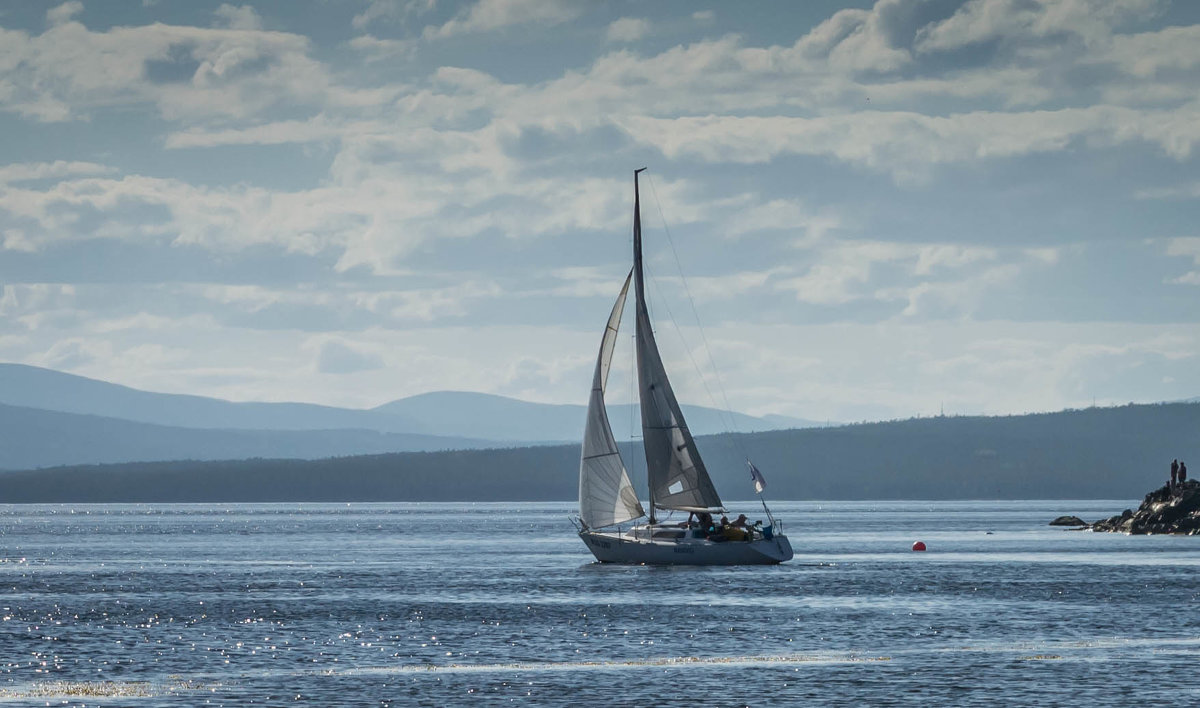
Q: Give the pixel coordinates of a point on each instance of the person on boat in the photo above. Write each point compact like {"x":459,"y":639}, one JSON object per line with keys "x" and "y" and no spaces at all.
{"x":1174,"y":472}
{"x":735,"y":531}
{"x":716,"y":531}
{"x":740,"y":529}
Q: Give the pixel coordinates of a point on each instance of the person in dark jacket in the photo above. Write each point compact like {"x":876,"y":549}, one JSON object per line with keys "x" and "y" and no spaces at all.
{"x":1174,"y":472}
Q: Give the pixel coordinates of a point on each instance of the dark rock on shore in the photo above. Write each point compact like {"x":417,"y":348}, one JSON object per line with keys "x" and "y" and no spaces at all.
{"x":1069,"y":521}
{"x":1164,"y":510}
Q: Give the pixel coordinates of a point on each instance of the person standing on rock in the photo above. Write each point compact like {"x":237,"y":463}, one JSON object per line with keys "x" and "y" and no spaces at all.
{"x":1174,"y":472}
{"x":1182,"y":472}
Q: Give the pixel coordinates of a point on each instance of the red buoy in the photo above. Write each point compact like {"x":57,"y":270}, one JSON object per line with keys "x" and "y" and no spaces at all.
{"x":919,"y":546}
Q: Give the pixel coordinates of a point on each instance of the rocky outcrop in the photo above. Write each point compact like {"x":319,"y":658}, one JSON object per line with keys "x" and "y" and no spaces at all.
{"x":1069,"y":521}
{"x":1164,"y":510}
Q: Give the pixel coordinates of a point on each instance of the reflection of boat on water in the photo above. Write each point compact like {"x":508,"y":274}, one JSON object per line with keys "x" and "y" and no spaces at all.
{"x":677,"y":478}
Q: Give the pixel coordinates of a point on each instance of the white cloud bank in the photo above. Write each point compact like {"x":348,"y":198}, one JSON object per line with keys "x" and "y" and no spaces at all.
{"x":431,"y":152}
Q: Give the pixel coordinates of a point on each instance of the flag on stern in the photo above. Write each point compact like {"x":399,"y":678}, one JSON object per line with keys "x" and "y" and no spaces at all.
{"x":756,"y":477}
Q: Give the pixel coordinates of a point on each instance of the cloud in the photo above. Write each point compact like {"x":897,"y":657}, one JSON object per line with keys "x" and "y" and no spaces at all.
{"x":145,"y":209}
{"x":839,"y":274}
{"x":852,"y":41}
{"x":239,"y":18}
{"x":945,"y":255}
{"x":316,"y":129}
{"x":627,"y":29}
{"x":191,"y":74}
{"x":1187,"y":247}
{"x":63,"y":13}
{"x":73,"y":353}
{"x":375,"y":49}
{"x":906,"y":144}
{"x":808,"y":225}
{"x":24,"y":299}
{"x":1184,"y":191}
{"x":492,"y":15}
{"x":981,"y":21}
{"x":929,"y":280}
{"x":31,"y":171}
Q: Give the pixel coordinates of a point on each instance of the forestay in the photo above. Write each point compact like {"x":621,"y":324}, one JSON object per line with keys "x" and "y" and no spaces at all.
{"x":606,"y":496}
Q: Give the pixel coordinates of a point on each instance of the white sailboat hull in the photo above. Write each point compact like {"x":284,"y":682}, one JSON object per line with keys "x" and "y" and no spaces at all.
{"x":639,"y":547}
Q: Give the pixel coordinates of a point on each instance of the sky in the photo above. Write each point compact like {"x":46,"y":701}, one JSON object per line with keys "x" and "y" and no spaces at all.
{"x":853,"y":210}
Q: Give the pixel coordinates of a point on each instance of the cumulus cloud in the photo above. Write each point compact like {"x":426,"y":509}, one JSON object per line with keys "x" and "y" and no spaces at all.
{"x":980,"y":21}
{"x":240,"y":18}
{"x":190,"y":73}
{"x":63,"y":13}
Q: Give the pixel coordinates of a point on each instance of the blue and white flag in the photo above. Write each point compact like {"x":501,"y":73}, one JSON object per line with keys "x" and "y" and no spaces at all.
{"x":756,"y":477}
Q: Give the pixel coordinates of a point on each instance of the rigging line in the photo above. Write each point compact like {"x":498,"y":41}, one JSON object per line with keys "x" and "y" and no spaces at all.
{"x":679,"y":332}
{"x":728,"y":410}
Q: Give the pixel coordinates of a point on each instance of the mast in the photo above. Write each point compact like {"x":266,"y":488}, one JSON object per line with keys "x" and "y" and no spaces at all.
{"x":639,"y":292}
{"x":676,"y":475}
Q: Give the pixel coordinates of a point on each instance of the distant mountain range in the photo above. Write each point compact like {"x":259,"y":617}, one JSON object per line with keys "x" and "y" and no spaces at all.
{"x":1086,"y":454}
{"x":32,"y":437}
{"x":52,"y":418}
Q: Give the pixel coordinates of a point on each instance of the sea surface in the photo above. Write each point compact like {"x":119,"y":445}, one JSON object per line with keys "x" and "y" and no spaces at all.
{"x":501,"y":604}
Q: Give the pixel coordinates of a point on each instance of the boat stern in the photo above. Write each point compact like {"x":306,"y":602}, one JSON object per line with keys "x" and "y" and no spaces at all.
{"x":777,"y":548}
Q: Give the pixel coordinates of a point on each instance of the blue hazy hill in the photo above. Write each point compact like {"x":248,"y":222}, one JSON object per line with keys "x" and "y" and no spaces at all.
{"x":32,"y":437}
{"x":442,"y":413}
{"x":34,"y":387}
{"x":53,"y":418}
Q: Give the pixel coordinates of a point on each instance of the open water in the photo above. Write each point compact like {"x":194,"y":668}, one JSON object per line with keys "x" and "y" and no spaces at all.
{"x":500,"y":604}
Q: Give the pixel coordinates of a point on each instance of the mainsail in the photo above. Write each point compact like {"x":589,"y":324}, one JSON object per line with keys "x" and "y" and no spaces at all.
{"x":606,"y":496}
{"x":678,"y":479}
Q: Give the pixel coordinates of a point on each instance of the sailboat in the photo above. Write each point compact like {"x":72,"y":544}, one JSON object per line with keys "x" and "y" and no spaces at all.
{"x":676,"y":475}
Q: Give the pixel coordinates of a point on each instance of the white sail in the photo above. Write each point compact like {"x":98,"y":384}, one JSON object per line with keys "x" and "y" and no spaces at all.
{"x":606,"y":496}
{"x":677,"y":477}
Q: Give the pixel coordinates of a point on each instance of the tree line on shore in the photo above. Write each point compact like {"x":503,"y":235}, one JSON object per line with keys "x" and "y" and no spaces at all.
{"x":1090,"y":453}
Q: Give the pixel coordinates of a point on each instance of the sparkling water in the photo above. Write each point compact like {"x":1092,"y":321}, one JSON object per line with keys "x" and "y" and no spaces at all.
{"x":444,"y":604}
